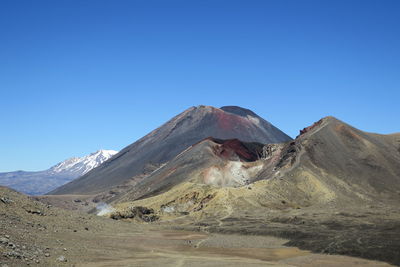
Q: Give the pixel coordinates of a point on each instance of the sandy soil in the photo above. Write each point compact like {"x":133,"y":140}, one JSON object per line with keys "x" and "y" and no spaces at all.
{"x":36,"y":234}
{"x":151,"y":246}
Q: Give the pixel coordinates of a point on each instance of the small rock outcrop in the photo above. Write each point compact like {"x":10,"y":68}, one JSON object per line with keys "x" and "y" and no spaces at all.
{"x":141,"y":213}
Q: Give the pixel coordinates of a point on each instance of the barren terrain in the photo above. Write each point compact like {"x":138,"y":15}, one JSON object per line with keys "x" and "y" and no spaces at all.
{"x":334,"y":190}
{"x":36,"y":234}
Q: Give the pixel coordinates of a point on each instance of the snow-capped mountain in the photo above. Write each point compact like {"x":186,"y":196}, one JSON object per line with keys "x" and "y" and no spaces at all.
{"x":84,"y":164}
{"x":41,"y":182}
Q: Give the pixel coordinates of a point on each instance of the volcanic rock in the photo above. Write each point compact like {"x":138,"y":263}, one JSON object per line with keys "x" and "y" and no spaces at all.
{"x":167,"y":141}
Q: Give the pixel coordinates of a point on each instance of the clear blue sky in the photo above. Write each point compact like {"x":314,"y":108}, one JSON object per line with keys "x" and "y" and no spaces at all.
{"x":78,"y":76}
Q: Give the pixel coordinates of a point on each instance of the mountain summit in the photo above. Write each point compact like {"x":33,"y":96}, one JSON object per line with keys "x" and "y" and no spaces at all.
{"x":82,"y":165}
{"x":37,"y":183}
{"x":172,"y":138}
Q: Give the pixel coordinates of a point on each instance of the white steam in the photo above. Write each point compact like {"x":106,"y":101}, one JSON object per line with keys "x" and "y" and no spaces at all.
{"x":104,"y":209}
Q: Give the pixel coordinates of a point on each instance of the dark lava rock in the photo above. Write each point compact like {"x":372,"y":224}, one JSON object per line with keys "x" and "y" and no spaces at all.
{"x":5,"y":200}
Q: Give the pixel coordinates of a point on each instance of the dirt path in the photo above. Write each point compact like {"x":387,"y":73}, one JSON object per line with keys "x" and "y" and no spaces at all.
{"x":152,"y":247}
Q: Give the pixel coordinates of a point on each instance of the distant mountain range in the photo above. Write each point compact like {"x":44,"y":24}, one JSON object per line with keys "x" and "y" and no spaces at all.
{"x":41,"y":182}
{"x":329,"y":161}
{"x":333,"y":189}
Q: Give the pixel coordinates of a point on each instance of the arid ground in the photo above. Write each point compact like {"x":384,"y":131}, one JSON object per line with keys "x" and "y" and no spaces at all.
{"x":33,"y":233}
